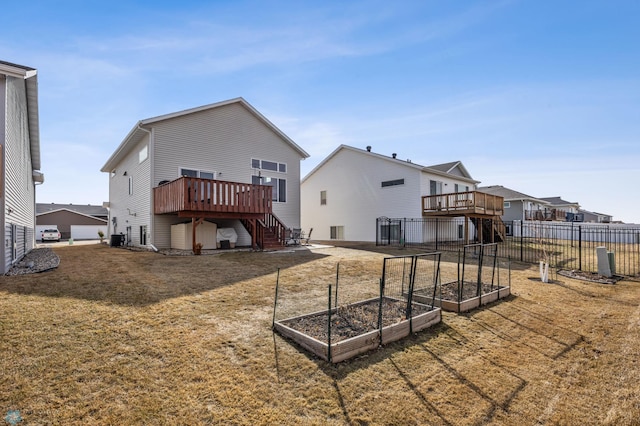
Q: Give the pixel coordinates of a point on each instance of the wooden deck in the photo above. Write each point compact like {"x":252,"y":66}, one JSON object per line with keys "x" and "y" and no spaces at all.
{"x":190,"y":197}
{"x":471,"y":203}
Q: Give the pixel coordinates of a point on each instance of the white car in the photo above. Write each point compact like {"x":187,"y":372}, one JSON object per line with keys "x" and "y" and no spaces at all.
{"x":50,"y":235}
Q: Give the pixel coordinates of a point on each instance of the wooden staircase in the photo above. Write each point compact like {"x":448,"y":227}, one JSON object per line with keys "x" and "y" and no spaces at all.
{"x":270,"y":232}
{"x":493,"y":229}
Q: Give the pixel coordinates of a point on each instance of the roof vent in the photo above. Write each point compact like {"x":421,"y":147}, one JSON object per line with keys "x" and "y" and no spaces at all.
{"x":394,"y":155}
{"x":368,"y":148}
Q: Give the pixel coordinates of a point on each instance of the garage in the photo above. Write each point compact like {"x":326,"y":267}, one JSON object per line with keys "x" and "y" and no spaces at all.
{"x":87,"y":232}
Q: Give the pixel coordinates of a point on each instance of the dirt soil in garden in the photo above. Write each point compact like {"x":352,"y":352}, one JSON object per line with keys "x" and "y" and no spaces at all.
{"x":449,"y":291}
{"x":353,"y":320}
{"x":113,"y":336}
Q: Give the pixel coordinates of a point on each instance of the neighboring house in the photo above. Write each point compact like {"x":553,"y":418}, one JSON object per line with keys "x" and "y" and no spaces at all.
{"x":20,"y":156}
{"x":344,"y":195}
{"x":224,"y":163}
{"x":566,"y":210}
{"x":519,"y":206}
{"x":588,"y":216}
{"x":79,"y":222}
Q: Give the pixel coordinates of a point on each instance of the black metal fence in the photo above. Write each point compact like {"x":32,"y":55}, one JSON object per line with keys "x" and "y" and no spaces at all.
{"x":570,"y":245}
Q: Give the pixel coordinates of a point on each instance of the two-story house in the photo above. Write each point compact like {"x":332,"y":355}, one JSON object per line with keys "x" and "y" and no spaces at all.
{"x":223,"y":163}
{"x":20,"y":156}
{"x":345,"y":193}
{"x":520,"y":206}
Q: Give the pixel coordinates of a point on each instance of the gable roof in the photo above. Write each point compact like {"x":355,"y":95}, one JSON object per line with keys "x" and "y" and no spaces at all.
{"x":438,"y":169}
{"x":138,"y":131}
{"x":87,"y":210}
{"x":557,"y":201}
{"x":30,"y":75}
{"x":71,"y":212}
{"x":509,"y":194}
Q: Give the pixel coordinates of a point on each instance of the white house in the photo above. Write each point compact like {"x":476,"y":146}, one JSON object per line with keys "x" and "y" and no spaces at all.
{"x":224,"y":163}
{"x":344,"y":195}
{"x":20,"y":154}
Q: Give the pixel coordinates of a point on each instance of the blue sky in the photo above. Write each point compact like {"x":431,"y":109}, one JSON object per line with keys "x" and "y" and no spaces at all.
{"x":539,"y":96}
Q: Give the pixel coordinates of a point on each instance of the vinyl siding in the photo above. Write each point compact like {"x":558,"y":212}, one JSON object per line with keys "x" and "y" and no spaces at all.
{"x":514,"y":212}
{"x":19,"y":191}
{"x":355,"y":196}
{"x":448,"y":184}
{"x":222,"y":140}
{"x":131,"y":210}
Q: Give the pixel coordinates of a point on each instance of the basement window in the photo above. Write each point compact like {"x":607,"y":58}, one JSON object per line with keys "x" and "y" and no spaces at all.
{"x":392,"y":182}
{"x":336,"y":233}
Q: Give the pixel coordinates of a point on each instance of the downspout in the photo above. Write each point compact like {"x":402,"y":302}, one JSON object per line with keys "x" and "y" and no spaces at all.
{"x":150,"y":230}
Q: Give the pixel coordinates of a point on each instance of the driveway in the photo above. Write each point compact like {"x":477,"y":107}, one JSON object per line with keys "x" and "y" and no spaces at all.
{"x":40,"y":244}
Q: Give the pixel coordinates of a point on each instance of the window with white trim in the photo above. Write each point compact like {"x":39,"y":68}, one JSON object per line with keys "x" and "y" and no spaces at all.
{"x":130,"y":185}
{"x":336,"y":232}
{"x":279,"y":187}
{"x":323,"y":198}
{"x":143,"y":154}
{"x":507,"y":204}
{"x":271,"y":166}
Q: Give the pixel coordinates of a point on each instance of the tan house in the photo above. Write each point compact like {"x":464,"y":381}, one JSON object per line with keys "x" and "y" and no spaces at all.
{"x":223,"y":162}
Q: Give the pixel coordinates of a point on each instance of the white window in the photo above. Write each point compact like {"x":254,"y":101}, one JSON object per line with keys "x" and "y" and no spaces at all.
{"x":130,"y":185}
{"x":336,"y":233}
{"x":507,"y":204}
{"x":279,"y":191}
{"x":323,"y":198}
{"x":272,"y":166}
{"x":143,"y":154}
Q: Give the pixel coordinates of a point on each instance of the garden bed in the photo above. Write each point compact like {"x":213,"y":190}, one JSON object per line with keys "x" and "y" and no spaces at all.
{"x":448,"y":298}
{"x":354,"y":327}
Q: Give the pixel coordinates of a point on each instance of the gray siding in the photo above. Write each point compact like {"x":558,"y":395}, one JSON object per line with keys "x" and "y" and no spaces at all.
{"x":222,"y":140}
{"x":19,"y":190}
{"x":131,"y":210}
{"x":514,"y":212}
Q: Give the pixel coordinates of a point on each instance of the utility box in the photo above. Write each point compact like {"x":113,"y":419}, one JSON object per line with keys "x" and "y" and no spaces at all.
{"x":612,"y":261}
{"x":604,"y":267}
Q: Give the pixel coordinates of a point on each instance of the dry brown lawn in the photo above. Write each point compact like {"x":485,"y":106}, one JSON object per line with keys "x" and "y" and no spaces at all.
{"x":120,"y":337}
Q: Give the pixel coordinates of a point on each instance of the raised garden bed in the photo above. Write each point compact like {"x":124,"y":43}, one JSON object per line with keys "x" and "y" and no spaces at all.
{"x":354,"y":327}
{"x":448,"y":300}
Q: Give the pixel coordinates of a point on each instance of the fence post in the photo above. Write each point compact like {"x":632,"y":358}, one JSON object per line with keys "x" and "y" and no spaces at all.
{"x":337,"y":279}
{"x":275,"y":302}
{"x":437,"y":226}
{"x":329,"y":327}
{"x":521,"y":241}
{"x":380,"y":305}
{"x":580,"y":248}
{"x":404,"y":233}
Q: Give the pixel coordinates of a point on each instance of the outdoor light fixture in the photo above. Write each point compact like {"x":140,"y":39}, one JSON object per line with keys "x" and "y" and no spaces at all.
{"x":125,"y":173}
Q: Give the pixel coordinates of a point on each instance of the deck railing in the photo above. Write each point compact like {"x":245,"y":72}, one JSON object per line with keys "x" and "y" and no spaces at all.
{"x":463,"y":202}
{"x":547,"y":214}
{"x":214,"y":196}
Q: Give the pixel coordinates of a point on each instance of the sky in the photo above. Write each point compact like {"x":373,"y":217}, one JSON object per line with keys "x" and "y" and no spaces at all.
{"x":542,"y":97}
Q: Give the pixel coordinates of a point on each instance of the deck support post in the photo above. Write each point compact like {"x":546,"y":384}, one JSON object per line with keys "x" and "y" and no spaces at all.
{"x":194,"y":224}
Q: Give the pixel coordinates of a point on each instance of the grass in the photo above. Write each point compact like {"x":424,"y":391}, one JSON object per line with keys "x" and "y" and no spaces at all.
{"x":119,"y":337}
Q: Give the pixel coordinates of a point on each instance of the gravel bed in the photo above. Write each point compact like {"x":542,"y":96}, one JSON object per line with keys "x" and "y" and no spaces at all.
{"x":37,"y":260}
